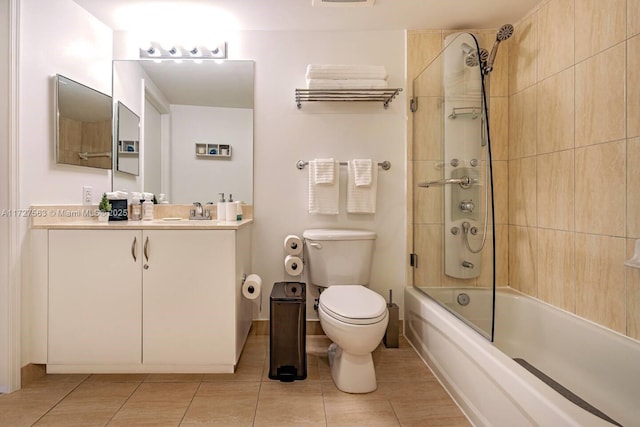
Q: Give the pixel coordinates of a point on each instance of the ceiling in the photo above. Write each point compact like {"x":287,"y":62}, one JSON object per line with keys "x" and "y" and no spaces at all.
{"x":287,"y":15}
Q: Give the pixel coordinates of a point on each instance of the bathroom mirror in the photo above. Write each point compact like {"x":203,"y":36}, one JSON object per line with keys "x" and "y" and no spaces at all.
{"x":83,"y":125}
{"x":196,"y":127}
{"x":128,"y":137}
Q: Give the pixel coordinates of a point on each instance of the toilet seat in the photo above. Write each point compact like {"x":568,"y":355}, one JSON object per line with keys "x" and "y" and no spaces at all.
{"x":353,"y":304}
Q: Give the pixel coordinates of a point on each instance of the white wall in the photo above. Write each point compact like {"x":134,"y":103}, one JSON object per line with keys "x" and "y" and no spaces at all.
{"x":211,"y":125}
{"x":284,"y":135}
{"x":56,"y":37}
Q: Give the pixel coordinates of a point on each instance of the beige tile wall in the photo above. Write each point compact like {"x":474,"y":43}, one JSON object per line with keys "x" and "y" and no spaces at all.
{"x":577,"y":62}
{"x":565,"y":127}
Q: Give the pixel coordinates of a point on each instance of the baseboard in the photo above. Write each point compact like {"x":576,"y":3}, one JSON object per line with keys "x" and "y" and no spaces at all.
{"x":31,"y":372}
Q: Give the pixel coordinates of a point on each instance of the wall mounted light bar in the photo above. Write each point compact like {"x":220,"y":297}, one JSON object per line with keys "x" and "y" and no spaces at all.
{"x":155,"y":51}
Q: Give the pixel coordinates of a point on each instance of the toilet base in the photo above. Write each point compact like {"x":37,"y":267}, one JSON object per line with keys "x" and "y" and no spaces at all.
{"x":352,"y":373}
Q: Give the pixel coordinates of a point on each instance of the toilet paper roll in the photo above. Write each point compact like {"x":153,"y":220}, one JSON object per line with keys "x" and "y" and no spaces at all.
{"x":293,"y":265}
{"x":293,"y":245}
{"x":252,"y":287}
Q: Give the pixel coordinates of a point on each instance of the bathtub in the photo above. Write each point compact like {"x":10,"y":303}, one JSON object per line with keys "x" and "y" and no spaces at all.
{"x":596,"y":364}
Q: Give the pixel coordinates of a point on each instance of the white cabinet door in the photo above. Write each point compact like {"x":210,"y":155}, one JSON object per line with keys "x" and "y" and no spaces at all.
{"x":95,"y":297}
{"x":189,"y":293}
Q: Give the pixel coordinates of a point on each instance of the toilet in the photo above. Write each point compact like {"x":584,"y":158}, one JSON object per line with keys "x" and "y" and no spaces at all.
{"x":354,"y":317}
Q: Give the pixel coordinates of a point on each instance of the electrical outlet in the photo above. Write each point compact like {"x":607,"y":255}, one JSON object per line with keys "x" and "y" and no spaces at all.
{"x":87,"y":195}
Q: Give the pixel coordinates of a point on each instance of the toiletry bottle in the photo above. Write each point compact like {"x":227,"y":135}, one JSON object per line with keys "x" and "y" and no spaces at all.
{"x":136,"y":209}
{"x":231,"y":209}
{"x":147,"y":210}
{"x":221,"y":208}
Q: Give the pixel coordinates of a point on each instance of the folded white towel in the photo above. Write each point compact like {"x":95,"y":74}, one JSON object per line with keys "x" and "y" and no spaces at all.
{"x":323,"y":198}
{"x":346,"y":84}
{"x":362,"y":171}
{"x":361,"y":199}
{"x":324,"y":170}
{"x":339,"y":72}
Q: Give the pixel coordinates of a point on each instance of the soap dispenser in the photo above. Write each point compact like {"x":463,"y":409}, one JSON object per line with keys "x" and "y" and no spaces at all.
{"x":147,"y":210}
{"x":221,"y":208}
{"x":231,"y":209}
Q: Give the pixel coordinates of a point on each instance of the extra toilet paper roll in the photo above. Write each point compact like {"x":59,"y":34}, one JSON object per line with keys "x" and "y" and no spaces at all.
{"x":252,"y":287}
{"x":293,"y":245}
{"x":293,"y":265}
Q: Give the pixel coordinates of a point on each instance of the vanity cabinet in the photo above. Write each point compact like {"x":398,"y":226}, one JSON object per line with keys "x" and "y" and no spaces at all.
{"x":147,"y":300}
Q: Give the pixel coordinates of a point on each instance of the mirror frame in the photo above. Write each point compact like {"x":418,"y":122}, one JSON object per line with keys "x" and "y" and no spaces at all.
{"x":132,"y":148}
{"x":97,"y":129}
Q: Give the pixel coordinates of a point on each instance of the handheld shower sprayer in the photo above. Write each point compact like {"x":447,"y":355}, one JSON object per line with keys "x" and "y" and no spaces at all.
{"x":503,"y":34}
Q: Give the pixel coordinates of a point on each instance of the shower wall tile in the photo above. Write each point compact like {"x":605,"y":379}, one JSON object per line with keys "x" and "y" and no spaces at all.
{"x":422,"y":48}
{"x":555,"y":190}
{"x":555,"y":37}
{"x":600,"y":181}
{"x":428,"y":129}
{"x":501,"y":191}
{"x":428,"y":201}
{"x":633,"y":17}
{"x":523,"y":53}
{"x":556,"y":268}
{"x":522,"y":192}
{"x":555,"y":112}
{"x":499,"y":127}
{"x":633,"y":86}
{"x":633,"y":295}
{"x":600,"y":24}
{"x":600,"y":280}
{"x":522,"y":259}
{"x":502,"y":259}
{"x":522,"y":124}
{"x":600,"y":97}
{"x":633,"y":188}
{"x":428,"y":245}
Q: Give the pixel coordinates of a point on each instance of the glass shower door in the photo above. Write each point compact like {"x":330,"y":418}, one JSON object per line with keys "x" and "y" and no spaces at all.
{"x":452,"y":204}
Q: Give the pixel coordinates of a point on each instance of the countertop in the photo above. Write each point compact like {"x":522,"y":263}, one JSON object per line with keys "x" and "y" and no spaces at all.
{"x":85,"y":218}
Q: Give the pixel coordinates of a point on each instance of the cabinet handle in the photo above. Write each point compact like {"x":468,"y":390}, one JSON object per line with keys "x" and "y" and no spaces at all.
{"x":146,"y":249}
{"x":133,"y":249}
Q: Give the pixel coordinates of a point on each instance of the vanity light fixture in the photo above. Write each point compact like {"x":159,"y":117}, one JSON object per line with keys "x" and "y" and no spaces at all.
{"x":155,"y":51}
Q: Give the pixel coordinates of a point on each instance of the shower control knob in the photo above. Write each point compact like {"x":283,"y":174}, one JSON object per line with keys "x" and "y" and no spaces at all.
{"x":467,"y":206}
{"x":455,"y":231}
{"x":474,"y":230}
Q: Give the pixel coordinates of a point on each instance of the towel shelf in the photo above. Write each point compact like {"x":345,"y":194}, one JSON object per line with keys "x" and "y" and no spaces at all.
{"x":347,"y":95}
{"x":385,"y":165}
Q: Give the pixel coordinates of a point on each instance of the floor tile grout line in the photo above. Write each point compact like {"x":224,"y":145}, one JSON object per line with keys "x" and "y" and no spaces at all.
{"x":191,"y":401}
{"x":125,"y":402}
{"x":59,"y":401}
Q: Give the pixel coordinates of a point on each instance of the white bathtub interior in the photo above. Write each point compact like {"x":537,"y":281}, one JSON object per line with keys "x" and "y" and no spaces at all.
{"x":600,"y":366}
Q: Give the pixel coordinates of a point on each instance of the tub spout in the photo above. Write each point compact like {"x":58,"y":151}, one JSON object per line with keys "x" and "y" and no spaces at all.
{"x":467,"y":264}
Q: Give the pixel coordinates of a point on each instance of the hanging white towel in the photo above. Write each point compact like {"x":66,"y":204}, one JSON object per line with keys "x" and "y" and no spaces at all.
{"x":362,"y":172}
{"x":324,"y":171}
{"x":361,"y":199}
{"x":323,"y":198}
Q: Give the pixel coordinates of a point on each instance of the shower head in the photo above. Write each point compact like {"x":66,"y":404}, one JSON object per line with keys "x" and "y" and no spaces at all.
{"x":470,"y":55}
{"x":503,"y":34}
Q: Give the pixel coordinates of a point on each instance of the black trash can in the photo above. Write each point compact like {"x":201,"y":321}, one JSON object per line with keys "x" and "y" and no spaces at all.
{"x":287,"y":332}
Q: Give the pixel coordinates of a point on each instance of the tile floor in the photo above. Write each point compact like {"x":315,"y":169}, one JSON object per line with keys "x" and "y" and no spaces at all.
{"x":408,"y":395}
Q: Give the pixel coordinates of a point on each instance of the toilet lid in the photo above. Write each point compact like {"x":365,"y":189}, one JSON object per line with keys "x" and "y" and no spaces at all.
{"x":353,"y":304}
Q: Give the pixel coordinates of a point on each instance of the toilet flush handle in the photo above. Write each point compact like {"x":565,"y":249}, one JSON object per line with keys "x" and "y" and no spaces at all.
{"x":315,"y":245}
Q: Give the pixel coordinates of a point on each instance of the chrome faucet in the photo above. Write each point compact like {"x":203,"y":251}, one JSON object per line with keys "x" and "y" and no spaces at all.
{"x":198,"y":213}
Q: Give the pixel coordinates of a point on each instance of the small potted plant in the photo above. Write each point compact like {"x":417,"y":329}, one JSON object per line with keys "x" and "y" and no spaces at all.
{"x":104,"y":208}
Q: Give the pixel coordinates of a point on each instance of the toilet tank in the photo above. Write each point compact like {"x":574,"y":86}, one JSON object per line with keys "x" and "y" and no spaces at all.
{"x":338,"y":256}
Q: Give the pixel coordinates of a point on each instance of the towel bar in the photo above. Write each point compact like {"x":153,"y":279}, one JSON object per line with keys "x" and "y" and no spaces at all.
{"x":385,"y":165}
